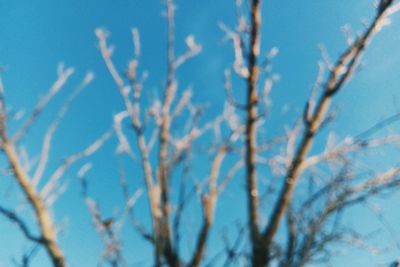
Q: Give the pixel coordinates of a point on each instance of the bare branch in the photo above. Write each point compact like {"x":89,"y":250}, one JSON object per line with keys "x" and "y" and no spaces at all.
{"x":124,"y":146}
{"x":136,"y":41}
{"x":208,"y":202}
{"x":13,"y":217}
{"x":239,"y":65}
{"x":194,"y":49}
{"x":130,"y":202}
{"x":63,"y":76}
{"x":52,"y":183}
{"x":45,"y":221}
{"x":257,"y":252}
{"x":106,"y":228}
{"x":342,"y":71}
{"x":107,"y":52}
{"x":53,"y":127}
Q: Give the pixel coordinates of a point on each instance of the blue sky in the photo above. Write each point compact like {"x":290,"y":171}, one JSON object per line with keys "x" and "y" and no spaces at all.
{"x":37,"y":35}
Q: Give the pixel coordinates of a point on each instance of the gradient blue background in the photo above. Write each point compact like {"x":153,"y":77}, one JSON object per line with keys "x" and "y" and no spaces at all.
{"x":36,"y":35}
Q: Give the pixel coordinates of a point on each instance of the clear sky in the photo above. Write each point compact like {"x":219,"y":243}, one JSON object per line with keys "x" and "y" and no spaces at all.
{"x":36,"y":35}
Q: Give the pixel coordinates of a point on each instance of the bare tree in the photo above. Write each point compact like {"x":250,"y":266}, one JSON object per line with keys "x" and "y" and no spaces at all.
{"x":307,"y":223}
{"x":172,"y":147}
{"x":303,"y":248}
{"x":41,"y":198}
{"x":308,"y":209}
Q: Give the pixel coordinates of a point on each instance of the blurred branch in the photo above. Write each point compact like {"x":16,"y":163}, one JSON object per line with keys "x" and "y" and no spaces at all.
{"x":339,"y":75}
{"x":12,"y":216}
{"x":52,"y":183}
{"x":130,"y":202}
{"x":106,"y":228}
{"x":45,"y":221}
{"x":63,"y":76}
{"x":53,"y":127}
